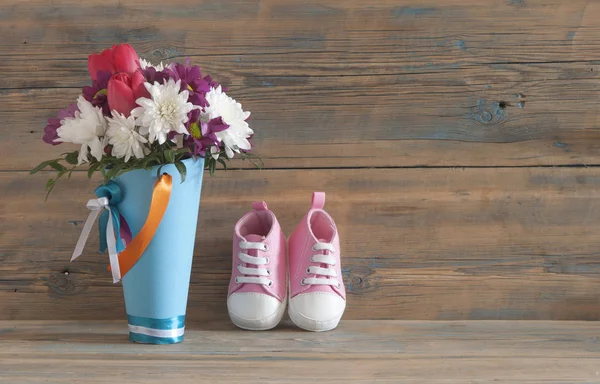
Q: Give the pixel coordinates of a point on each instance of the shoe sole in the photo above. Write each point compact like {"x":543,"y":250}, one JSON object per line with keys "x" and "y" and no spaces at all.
{"x":252,"y":325}
{"x":312,"y":325}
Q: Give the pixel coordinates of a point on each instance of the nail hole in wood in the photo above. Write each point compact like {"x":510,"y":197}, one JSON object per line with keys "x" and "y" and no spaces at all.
{"x":16,"y":290}
{"x":502,"y":104}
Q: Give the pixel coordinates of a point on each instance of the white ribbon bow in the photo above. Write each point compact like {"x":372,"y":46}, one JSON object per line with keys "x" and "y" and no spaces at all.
{"x":96,"y":206}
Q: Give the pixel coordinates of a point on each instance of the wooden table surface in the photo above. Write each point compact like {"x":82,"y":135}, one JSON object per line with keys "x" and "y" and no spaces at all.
{"x":357,"y":352}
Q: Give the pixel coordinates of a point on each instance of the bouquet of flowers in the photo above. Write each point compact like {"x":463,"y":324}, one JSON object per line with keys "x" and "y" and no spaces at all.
{"x":136,"y":115}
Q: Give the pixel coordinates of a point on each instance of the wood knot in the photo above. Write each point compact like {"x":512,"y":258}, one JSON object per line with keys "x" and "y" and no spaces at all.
{"x":64,"y":283}
{"x":488,"y":112}
{"x":360,"y":280}
{"x":486,"y":116}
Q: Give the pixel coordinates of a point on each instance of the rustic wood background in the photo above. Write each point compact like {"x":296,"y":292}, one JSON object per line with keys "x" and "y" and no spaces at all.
{"x":457,"y":142}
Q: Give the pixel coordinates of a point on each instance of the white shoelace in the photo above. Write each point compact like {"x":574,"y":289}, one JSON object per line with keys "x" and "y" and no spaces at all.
{"x":321,"y":258}
{"x":253,"y":275}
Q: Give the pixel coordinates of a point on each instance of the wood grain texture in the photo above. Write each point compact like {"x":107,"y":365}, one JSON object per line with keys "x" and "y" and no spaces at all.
{"x":357,"y":352}
{"x":336,"y":83}
{"x":504,"y":243}
{"x":338,"y":88}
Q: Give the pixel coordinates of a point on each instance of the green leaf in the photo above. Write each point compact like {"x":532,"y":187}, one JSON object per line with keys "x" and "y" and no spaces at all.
{"x":150,"y":161}
{"x":182,"y":170}
{"x":61,"y":173}
{"x":49,"y":186}
{"x":49,"y":183}
{"x":114,"y":171}
{"x":58,"y":167}
{"x":183,"y":151}
{"x":169,"y":156}
{"x":222,"y":162}
{"x":41,"y":166}
{"x":212,"y":166}
{"x":254,"y":158}
{"x":158,"y":172}
{"x":93,"y":168}
{"x":71,"y":158}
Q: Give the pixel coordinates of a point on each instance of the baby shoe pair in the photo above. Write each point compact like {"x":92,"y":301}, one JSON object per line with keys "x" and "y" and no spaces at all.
{"x":263,"y":269}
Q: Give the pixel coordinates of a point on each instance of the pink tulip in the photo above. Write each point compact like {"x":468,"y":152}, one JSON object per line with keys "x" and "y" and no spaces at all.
{"x":119,"y":58}
{"x":123,"y":90}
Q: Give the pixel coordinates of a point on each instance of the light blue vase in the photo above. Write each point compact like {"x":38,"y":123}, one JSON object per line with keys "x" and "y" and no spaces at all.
{"x":156,"y":288}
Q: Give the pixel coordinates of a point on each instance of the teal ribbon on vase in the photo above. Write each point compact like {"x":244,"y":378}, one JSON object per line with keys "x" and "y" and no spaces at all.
{"x":112,"y":192}
{"x":114,"y":231}
{"x":156,"y":331}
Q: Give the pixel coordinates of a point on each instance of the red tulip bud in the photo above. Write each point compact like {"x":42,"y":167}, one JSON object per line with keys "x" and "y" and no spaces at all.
{"x":120,"y":94}
{"x":119,"y":58}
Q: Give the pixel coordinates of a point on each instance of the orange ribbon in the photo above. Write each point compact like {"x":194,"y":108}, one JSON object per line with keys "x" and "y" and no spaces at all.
{"x":160,"y":200}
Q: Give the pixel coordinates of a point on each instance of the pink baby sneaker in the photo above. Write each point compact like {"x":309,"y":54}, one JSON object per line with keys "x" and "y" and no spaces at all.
{"x":258,"y":286}
{"x":317,"y":293}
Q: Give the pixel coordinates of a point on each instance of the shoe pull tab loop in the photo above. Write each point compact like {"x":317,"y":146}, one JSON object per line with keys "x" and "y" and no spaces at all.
{"x":318,"y":200}
{"x":260,"y":206}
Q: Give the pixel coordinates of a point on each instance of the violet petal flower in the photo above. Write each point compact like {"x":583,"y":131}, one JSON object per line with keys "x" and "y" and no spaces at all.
{"x":202,"y":135}
{"x":96,"y":94}
{"x":192,"y":81}
{"x":154,"y":76}
{"x":50,"y":131}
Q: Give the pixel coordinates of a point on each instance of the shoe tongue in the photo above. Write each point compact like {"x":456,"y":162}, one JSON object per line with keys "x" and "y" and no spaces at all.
{"x":254,"y":239}
{"x":324,"y":252}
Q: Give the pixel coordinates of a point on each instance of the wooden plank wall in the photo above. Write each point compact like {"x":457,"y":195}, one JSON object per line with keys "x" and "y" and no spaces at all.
{"x":457,"y":142}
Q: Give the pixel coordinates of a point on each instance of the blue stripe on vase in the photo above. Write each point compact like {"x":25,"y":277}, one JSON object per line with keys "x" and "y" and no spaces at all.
{"x":148,"y":322}
{"x":146,"y":339}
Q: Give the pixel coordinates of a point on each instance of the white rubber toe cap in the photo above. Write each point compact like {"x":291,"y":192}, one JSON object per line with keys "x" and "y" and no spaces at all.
{"x":255,"y":311}
{"x":317,"y":311}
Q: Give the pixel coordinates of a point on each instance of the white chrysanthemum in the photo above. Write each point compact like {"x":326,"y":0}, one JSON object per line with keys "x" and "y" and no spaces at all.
{"x":236,"y":136}
{"x":146,"y":64}
{"x":86,"y":128}
{"x":166,"y":111}
{"x":123,"y":137}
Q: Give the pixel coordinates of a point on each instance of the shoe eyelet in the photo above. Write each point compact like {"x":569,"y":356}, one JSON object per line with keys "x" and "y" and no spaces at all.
{"x":303,"y":282}
{"x":270,"y":283}
{"x":339,"y":285}
{"x":308,"y":271}
{"x":314,"y":247}
{"x":265,"y":247}
{"x":268,"y":272}
{"x":237,"y":281}
{"x":312,"y":259}
{"x":267,"y":260}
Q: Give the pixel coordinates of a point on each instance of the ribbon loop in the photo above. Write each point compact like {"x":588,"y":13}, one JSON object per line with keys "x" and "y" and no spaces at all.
{"x":112,"y":194}
{"x":96,"y":206}
{"x":111,"y":224}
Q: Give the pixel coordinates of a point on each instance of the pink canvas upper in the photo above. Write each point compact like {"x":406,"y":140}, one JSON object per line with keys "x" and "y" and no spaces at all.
{"x":316,"y":226}
{"x":260,"y":225}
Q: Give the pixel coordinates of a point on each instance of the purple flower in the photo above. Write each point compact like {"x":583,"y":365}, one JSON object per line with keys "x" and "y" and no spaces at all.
{"x":96,"y":94}
{"x":202,"y":135}
{"x":212,"y":83}
{"x":154,"y":76}
{"x":192,"y":81}
{"x":50,"y":133}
